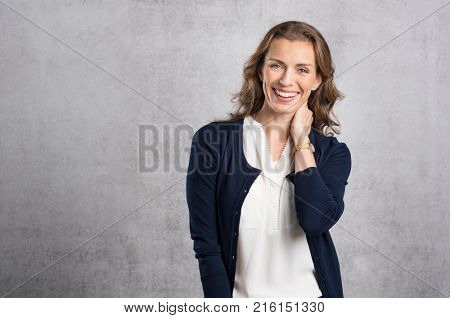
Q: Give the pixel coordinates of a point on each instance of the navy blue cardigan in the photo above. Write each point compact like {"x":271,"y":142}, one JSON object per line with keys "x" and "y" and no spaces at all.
{"x":218,"y":180}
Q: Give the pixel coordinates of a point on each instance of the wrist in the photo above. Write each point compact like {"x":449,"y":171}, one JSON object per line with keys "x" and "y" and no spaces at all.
{"x":306,"y":145}
{"x":298,"y":140}
{"x":304,"y":158}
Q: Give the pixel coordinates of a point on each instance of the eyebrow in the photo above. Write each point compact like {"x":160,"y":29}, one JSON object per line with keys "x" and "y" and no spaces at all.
{"x":299,"y":64}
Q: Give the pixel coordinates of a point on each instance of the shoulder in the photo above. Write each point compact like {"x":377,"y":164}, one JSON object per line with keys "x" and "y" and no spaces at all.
{"x":331,"y":148}
{"x":217,"y":131}
{"x":214,"y":136}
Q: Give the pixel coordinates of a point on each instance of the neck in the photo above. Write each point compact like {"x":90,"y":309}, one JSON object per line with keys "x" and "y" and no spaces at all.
{"x":275,"y":124}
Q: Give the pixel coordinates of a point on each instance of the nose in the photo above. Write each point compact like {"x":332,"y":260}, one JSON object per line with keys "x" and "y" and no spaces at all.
{"x":286,"y":78}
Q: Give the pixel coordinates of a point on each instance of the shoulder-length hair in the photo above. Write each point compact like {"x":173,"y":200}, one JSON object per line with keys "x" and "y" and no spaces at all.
{"x":250,"y":99}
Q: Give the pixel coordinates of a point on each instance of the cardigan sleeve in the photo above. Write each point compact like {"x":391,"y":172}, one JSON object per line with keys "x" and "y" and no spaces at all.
{"x":319,"y":193}
{"x":201,"y":194}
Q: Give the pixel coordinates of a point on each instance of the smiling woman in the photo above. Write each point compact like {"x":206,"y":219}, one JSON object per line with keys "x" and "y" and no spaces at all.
{"x":265,"y":186}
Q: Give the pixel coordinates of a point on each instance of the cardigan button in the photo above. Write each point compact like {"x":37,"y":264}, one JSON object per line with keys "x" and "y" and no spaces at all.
{"x":235,"y":233}
{"x":233,"y":256}
{"x":236,"y":212}
{"x":245,"y":190}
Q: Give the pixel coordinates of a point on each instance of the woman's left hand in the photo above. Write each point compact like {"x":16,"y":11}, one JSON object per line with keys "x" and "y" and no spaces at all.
{"x":301,"y":124}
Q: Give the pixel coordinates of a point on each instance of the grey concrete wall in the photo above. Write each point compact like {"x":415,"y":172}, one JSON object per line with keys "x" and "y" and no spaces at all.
{"x":79,"y":218}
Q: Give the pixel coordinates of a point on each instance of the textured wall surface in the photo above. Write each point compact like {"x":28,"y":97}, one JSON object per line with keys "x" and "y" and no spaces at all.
{"x":79,"y":218}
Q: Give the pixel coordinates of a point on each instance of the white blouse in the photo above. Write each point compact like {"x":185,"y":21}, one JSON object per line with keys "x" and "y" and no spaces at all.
{"x":273,"y":256}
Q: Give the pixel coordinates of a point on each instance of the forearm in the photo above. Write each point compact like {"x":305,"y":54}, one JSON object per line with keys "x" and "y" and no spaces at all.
{"x":214,"y":277}
{"x":319,"y":195}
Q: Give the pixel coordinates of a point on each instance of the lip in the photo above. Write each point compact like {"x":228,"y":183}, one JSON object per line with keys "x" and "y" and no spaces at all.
{"x":285,"y":91}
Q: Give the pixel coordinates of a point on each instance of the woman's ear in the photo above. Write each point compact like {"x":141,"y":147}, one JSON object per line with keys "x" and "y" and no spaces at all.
{"x":317,"y":82}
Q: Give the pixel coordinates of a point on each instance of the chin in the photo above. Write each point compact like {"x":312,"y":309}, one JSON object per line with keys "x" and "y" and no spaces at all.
{"x":283,"y":109}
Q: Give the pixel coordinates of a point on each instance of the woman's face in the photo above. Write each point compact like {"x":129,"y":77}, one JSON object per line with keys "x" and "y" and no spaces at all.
{"x":290,"y":67}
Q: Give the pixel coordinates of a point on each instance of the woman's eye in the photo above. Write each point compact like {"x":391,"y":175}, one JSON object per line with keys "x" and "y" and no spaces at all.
{"x":277,"y":66}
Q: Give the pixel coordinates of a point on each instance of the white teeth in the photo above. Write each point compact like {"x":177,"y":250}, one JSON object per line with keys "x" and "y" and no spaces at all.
{"x":285,"y":95}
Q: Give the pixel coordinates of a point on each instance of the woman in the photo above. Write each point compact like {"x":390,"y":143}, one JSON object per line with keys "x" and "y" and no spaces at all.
{"x":265,"y":186}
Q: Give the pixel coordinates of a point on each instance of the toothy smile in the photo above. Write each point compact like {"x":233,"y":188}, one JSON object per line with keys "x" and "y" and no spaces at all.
{"x":285,"y":95}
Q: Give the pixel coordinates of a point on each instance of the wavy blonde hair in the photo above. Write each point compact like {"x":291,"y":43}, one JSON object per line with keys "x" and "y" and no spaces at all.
{"x":250,"y":99}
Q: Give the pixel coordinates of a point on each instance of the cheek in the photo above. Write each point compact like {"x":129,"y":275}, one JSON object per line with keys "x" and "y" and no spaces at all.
{"x":306,"y":91}
{"x":267,"y":90}
{"x":306,"y":95}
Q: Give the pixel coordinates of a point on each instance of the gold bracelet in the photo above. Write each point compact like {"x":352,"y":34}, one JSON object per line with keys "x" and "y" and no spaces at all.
{"x":307,"y":145}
